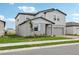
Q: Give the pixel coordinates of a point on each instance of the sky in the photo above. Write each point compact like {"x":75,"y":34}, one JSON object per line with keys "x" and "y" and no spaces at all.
{"x":8,"y":11}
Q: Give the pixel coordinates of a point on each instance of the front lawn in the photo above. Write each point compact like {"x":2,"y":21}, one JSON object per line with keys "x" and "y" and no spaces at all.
{"x":14,"y":38}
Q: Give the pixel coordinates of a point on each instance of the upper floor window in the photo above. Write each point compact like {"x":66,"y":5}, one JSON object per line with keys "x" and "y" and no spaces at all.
{"x":17,"y":19}
{"x":44,"y":12}
{"x":58,"y":19}
{"x":55,"y":17}
{"x":27,"y":18}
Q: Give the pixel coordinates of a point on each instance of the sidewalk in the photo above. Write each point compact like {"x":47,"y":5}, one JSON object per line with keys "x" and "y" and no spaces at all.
{"x":35,"y":42}
{"x":73,"y":37}
{"x":31,"y":48}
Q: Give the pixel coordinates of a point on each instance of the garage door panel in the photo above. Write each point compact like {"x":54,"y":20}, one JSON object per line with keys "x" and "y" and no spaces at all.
{"x":77,"y":31}
{"x":58,"y":31}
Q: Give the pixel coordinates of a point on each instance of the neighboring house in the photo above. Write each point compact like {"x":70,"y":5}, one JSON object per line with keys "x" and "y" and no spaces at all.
{"x":10,"y":31}
{"x":72,"y":28}
{"x":46,"y":22}
{"x":2,"y":28}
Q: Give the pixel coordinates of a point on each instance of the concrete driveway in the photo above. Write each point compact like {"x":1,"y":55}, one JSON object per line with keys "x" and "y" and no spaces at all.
{"x":61,"y":50}
{"x":73,"y":37}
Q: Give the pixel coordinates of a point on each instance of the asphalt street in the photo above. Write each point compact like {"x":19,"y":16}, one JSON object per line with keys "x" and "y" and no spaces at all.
{"x":60,"y":50}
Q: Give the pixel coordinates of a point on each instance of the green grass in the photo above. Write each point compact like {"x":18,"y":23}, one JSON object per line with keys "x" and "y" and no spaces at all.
{"x":35,"y":45}
{"x":73,"y":34}
{"x":14,"y":38}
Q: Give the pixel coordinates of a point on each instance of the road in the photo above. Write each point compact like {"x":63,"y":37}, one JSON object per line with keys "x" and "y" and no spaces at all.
{"x":60,"y":50}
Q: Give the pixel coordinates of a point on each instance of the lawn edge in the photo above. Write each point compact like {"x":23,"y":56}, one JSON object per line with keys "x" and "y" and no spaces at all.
{"x":38,"y":47}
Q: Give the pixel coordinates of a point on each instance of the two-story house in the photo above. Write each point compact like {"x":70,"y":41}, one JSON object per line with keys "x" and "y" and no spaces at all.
{"x":46,"y":22}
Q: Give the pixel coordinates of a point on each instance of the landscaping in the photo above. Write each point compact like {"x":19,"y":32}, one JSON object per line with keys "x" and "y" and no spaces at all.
{"x":14,"y":38}
{"x":35,"y":45}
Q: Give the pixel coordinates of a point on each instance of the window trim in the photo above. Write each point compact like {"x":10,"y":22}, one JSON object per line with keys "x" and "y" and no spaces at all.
{"x":17,"y":19}
{"x":54,"y":18}
{"x":36,"y":26}
{"x":58,"y":19}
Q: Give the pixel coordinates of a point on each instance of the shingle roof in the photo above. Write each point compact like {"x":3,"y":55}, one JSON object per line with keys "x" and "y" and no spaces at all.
{"x":72,"y":24}
{"x":47,"y":10}
{"x":37,"y":18}
{"x":51,"y":9}
{"x":25,"y":14}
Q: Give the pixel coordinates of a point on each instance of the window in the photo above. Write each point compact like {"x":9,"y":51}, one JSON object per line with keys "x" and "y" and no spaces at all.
{"x":27,"y":18}
{"x":44,"y":12}
{"x":55,"y":17}
{"x":17,"y":19}
{"x":58,"y":19}
{"x":36,"y":27}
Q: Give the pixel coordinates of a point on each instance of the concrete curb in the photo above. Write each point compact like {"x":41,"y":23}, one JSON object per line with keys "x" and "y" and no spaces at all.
{"x":21,"y":49}
{"x":28,"y":43}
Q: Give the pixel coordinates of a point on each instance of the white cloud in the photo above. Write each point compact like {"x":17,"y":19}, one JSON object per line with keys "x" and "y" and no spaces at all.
{"x":75,"y":14}
{"x":76,"y":18}
{"x":77,"y":21}
{"x":11,"y":20}
{"x":12,"y":3}
{"x":2,"y":17}
{"x":27,"y":9}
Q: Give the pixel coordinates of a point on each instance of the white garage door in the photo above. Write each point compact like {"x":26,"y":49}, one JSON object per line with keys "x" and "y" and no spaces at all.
{"x":77,"y":31}
{"x":58,"y":31}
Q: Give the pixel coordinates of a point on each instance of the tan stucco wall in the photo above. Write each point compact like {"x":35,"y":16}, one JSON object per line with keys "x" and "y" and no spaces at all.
{"x":2,"y":28}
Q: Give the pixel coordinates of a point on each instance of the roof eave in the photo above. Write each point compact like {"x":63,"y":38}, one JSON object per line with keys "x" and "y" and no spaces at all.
{"x":24,"y":14}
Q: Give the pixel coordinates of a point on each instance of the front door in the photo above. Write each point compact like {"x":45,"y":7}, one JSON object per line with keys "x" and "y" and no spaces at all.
{"x":48,"y":29}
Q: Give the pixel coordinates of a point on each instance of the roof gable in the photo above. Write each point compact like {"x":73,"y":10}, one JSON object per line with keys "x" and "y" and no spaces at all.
{"x":50,"y":10}
{"x":44,"y":19}
{"x":32,"y":14}
{"x":72,"y":24}
{"x":37,"y":18}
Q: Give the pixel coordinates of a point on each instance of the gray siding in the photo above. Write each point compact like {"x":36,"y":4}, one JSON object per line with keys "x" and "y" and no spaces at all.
{"x":72,"y":30}
{"x":50,"y":16}
{"x":69,"y":30}
{"x":24,"y":29}
{"x":22,"y":18}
